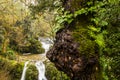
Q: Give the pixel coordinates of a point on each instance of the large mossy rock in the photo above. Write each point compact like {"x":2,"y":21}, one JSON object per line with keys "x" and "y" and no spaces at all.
{"x":67,"y":56}
{"x":74,"y":51}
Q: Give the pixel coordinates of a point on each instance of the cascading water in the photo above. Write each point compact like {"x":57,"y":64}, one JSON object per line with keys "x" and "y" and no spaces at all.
{"x":41,"y":69}
{"x":24,"y":71}
{"x":46,"y":43}
{"x":39,"y":64}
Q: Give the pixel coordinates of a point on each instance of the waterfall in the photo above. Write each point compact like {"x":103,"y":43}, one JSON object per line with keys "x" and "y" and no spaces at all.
{"x":24,"y":71}
{"x":41,"y":69}
{"x":46,"y":43}
{"x":39,"y":64}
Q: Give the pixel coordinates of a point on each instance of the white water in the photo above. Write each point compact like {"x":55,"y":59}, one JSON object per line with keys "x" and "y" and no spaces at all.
{"x":39,"y":64}
{"x":41,"y":69}
{"x":24,"y":71}
{"x":46,"y":43}
{"x":45,"y":46}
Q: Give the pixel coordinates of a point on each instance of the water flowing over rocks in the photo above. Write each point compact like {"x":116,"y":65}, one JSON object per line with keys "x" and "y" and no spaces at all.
{"x":24,"y":71}
{"x":66,"y":57}
{"x":40,"y":67}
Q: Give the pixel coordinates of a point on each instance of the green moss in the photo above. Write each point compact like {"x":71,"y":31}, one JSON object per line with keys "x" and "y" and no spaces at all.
{"x":53,"y":74}
{"x":86,"y":44}
{"x":32,"y":73}
{"x":16,"y":71}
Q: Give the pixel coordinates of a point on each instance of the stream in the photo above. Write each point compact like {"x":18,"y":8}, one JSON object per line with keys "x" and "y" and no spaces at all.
{"x":46,"y":43}
{"x":24,"y":70}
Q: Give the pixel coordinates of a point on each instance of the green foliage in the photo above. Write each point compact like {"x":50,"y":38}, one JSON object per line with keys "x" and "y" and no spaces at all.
{"x":15,"y":69}
{"x":31,"y":73}
{"x":10,"y":54}
{"x":106,"y":35}
{"x":12,"y":68}
{"x":113,"y":44}
{"x":53,"y":74}
{"x":87,"y":46}
{"x":63,"y":18}
{"x":66,"y":17}
{"x":103,"y":30}
{"x":113,"y":51}
{"x":105,"y":67}
{"x":32,"y":46}
{"x":81,"y":11}
{"x":43,"y":5}
{"x":36,"y":46}
{"x":98,"y":35}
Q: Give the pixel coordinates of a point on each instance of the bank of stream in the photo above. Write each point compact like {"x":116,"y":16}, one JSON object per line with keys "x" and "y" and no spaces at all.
{"x":14,"y":68}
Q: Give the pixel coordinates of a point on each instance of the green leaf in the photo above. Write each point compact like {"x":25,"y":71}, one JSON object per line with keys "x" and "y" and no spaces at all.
{"x":79,"y":12}
{"x":70,"y":20}
{"x":100,"y":40}
{"x":104,"y":23}
{"x":94,"y":29}
{"x":95,"y":20}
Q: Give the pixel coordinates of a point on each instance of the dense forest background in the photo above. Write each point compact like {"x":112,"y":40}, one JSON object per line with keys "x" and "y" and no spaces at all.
{"x":83,"y":32}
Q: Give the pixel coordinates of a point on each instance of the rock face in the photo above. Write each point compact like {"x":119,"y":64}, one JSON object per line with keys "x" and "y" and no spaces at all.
{"x":66,"y":57}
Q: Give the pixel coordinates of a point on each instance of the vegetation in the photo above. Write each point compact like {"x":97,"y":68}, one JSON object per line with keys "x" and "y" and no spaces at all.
{"x":95,"y":26}
{"x":102,"y":30}
{"x":96,"y":29}
{"x":13,"y":70}
{"x":18,"y":29}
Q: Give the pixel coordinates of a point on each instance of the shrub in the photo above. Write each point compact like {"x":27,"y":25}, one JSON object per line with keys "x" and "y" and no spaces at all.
{"x":10,"y":54}
{"x":31,"y":46}
{"x":16,"y":71}
{"x":32,"y":73}
{"x":36,"y":46}
{"x":53,"y":74}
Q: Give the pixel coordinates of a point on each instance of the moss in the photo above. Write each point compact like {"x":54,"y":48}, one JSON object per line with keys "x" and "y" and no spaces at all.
{"x":16,"y":71}
{"x":53,"y":74}
{"x":86,"y":44}
{"x":31,"y":73}
{"x":10,"y":54}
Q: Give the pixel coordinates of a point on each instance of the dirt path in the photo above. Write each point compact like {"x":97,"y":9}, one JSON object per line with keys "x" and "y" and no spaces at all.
{"x":21,"y":58}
